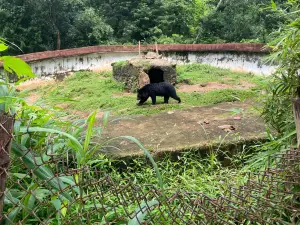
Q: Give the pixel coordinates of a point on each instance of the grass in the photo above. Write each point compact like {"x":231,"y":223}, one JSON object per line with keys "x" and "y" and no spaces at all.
{"x":121,"y":63}
{"x":87,"y":91}
{"x":203,"y":74}
{"x":189,"y":172}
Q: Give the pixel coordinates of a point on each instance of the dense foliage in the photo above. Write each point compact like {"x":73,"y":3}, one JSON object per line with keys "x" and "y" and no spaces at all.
{"x":285,"y":83}
{"x":38,"y":25}
{"x":39,"y":132}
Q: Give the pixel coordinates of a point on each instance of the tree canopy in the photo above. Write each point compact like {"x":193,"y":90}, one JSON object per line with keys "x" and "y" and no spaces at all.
{"x":39,"y":25}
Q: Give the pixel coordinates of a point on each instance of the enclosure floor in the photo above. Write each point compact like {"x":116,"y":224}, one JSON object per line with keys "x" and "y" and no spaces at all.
{"x":196,"y":129}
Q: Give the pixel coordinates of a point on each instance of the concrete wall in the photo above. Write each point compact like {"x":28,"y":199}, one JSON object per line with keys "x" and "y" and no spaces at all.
{"x":93,"y":62}
{"x":239,"y":57}
{"x":244,"y":62}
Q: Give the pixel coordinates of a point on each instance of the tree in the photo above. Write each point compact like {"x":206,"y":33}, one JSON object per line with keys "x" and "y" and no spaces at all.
{"x":285,"y":84}
{"x":39,"y":25}
{"x":89,"y":29}
{"x":238,"y":20}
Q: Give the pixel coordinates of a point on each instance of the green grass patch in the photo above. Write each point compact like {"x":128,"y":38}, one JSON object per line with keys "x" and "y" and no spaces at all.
{"x":99,"y":91}
{"x":126,"y":105}
{"x":120,"y":63}
{"x":189,"y":172}
{"x":203,"y":74}
{"x":89,"y":91}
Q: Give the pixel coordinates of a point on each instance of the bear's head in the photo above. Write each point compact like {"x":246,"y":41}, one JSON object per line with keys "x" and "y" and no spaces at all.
{"x":142,"y":95}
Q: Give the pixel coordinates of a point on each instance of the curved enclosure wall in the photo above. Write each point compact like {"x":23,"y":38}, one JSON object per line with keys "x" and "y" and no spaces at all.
{"x":238,"y":57}
{"x":243,"y":62}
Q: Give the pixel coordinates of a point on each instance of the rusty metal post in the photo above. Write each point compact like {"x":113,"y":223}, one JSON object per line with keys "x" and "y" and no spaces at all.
{"x":6,"y":131}
{"x":139,"y":47}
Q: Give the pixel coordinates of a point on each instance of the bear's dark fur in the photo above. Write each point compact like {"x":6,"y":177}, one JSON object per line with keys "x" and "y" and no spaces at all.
{"x":157,"y":89}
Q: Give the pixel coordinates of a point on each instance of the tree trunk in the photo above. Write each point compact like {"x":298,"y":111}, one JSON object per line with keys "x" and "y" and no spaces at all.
{"x":296,"y":110}
{"x":6,"y":130}
{"x":58,"y":40}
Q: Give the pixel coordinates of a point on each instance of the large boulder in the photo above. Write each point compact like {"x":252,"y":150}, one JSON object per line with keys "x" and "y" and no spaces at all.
{"x":137,"y":72}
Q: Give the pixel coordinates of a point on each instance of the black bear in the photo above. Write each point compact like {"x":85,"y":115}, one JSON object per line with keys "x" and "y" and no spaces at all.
{"x":157,"y":89}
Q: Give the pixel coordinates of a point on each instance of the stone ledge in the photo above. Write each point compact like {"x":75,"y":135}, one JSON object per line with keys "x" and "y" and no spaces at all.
{"x":181,"y":130}
{"x":229,"y":47}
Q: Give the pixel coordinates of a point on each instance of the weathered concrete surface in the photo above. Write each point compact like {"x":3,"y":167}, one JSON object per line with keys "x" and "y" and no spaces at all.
{"x":238,"y":56}
{"x":192,"y":129}
{"x":139,"y":71}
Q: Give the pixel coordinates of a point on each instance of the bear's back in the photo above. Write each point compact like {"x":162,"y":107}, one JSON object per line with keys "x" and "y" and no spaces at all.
{"x":162,"y":88}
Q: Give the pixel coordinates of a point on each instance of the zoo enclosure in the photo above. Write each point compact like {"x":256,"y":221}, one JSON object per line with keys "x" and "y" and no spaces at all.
{"x":70,"y":195}
{"x":238,"y":56}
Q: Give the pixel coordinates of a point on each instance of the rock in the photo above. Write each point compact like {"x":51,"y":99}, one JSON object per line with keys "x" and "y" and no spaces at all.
{"x":237,"y":118}
{"x":205,"y":122}
{"x":227,"y":128}
{"x":137,"y":72}
{"x":152,"y":55}
{"x":187,"y":81}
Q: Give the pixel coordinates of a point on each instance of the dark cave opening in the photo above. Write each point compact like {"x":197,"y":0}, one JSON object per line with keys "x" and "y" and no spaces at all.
{"x":156,"y":75}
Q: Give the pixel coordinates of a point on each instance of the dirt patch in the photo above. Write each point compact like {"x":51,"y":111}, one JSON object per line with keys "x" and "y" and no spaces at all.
{"x":63,"y":105}
{"x":244,"y":85}
{"x":122,"y":94}
{"x":34,"y":84}
{"x":212,"y":86}
{"x":32,"y":98}
{"x":82,"y":115}
{"x":102,"y":68}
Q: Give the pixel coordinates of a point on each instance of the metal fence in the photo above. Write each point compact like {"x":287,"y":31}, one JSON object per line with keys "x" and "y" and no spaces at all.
{"x":48,"y":189}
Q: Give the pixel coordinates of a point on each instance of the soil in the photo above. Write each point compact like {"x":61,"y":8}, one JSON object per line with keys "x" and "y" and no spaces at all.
{"x":35,"y":84}
{"x":122,"y":94}
{"x":32,"y":98}
{"x":212,"y":86}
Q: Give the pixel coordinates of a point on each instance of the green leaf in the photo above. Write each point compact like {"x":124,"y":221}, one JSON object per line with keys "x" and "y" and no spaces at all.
{"x":64,"y":208}
{"x":3,"y":92}
{"x":105,"y":118}
{"x":146,"y":152}
{"x":40,"y":171}
{"x":9,"y":199}
{"x":20,"y":175}
{"x":3,"y":47}
{"x":12,"y":215}
{"x":70,"y":181}
{"x":61,"y":206}
{"x":75,"y":143}
{"x":141,"y":212}
{"x":29,"y":200}
{"x":57,"y":204}
{"x":18,"y":66}
{"x":274,"y":6}
{"x":91,"y":121}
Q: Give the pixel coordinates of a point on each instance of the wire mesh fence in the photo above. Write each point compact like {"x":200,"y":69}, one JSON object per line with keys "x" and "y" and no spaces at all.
{"x":47,"y":188}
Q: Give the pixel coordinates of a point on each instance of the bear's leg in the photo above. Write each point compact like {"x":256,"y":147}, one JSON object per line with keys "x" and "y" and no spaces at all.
{"x":153,"y":97}
{"x":166,"y":99}
{"x":177,"y":98}
{"x":142,"y":101}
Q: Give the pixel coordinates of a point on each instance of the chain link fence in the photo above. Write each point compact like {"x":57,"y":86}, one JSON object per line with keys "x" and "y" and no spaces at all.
{"x":51,"y":190}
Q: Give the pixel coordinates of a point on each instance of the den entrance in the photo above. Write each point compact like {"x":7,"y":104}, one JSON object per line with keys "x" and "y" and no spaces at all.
{"x":156,"y":75}
{"x":140,"y":71}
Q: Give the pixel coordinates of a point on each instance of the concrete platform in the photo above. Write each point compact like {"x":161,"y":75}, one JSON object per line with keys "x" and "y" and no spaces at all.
{"x":194,"y":129}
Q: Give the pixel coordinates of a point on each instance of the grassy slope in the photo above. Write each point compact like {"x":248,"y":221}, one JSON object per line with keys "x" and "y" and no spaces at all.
{"x":199,"y":73}
{"x":99,"y":91}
